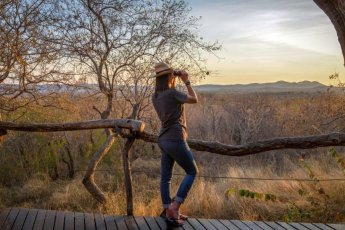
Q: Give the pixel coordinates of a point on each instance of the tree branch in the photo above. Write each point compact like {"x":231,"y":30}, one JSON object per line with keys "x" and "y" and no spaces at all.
{"x":303,"y":142}
{"x":134,"y":125}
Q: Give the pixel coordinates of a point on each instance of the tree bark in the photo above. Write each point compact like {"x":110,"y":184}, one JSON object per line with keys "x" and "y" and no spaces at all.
{"x":335,"y":10}
{"x":304,"y":142}
{"x":126,"y":154}
{"x":88,"y":180}
{"x":134,"y":125}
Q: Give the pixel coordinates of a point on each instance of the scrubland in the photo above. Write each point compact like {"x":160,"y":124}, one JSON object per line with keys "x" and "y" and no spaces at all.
{"x":44,"y":170}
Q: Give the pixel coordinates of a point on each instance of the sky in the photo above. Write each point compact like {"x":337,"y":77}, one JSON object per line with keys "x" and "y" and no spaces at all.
{"x":268,"y":41}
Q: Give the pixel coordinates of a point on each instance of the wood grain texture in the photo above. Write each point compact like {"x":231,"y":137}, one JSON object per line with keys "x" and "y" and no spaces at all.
{"x":302,"y":142}
{"x":59,"y":220}
{"x":195,"y":223}
{"x":141,"y":223}
{"x":229,"y":225}
{"x":39,"y":222}
{"x":152,"y":223}
{"x":100,"y":223}
{"x":240,"y":224}
{"x":263,"y":225}
{"x":286,"y":225}
{"x":9,"y":222}
{"x":134,"y":125}
{"x":79,"y":222}
{"x":69,"y":221}
{"x":110,"y":222}
{"x":50,"y":220}
{"x":3,"y":215}
{"x":274,"y":225}
{"x":89,"y":221}
{"x":25,"y":219}
{"x":30,"y":219}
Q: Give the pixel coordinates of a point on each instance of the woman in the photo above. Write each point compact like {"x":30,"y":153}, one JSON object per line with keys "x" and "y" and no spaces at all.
{"x":169,"y":105}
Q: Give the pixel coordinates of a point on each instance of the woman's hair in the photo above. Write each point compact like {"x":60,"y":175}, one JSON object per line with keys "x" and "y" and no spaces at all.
{"x":162,"y":83}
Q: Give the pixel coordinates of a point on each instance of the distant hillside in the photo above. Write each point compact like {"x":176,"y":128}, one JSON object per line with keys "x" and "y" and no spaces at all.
{"x":279,"y":86}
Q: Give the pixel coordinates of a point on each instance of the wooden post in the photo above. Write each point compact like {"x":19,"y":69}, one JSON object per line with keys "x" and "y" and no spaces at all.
{"x":126,"y":153}
{"x":3,"y":132}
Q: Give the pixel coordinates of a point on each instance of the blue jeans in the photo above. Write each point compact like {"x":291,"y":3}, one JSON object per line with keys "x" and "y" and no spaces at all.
{"x":179,"y":151}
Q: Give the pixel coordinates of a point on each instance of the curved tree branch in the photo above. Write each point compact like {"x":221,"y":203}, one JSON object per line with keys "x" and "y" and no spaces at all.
{"x":88,"y":179}
{"x":335,"y":10}
{"x":304,"y":142}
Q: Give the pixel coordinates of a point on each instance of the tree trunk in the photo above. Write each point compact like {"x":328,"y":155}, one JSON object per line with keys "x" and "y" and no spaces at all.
{"x":335,"y":10}
{"x":126,"y":156}
{"x":88,"y":180}
{"x":69,"y":162}
{"x":128,"y":174}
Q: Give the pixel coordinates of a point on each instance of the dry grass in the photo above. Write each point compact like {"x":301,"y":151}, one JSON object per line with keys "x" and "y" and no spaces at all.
{"x":208,"y":197}
{"x":297,"y":201}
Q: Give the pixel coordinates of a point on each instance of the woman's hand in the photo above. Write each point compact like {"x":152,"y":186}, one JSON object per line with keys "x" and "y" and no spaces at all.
{"x":184,"y":76}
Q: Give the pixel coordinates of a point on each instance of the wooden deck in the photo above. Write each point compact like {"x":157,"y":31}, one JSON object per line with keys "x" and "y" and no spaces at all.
{"x":38,"y":219}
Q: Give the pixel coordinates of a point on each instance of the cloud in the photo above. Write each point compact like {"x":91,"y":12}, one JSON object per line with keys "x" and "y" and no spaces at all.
{"x":278,"y":38}
{"x":297,"y":23}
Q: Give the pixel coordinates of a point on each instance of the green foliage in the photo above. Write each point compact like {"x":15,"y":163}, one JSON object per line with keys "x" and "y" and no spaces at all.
{"x":294,"y":213}
{"x":245,"y":193}
{"x":335,"y":154}
{"x":317,"y":205}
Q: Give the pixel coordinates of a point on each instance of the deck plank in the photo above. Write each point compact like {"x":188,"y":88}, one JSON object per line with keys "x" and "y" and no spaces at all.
{"x":110,"y":222}
{"x":229,"y":225}
{"x":163,"y":225}
{"x":335,"y":226}
{"x":100,"y":223}
{"x":79,"y":222}
{"x":18,"y":224}
{"x":152,"y":223}
{"x":187,"y":226}
{"x":274,"y":225}
{"x":130,"y":222}
{"x":30,"y":219}
{"x":286,"y":225}
{"x":39,"y":222}
{"x":263,"y":225}
{"x":89,"y":221}
{"x":3,"y":215}
{"x":240,"y":224}
{"x":141,"y":223}
{"x":298,"y":226}
{"x":161,"y":222}
{"x":37,"y":219}
{"x":252,"y":225}
{"x":217,"y":224}
{"x":69,"y":221}
{"x":195,"y":223}
{"x":49,"y":220}
{"x":120,"y":222}
{"x":310,"y":226}
{"x":10,"y":219}
{"x":206,"y":224}
{"x":59,"y":220}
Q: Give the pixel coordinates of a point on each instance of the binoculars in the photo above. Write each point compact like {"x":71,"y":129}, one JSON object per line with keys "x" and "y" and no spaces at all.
{"x":177,"y":73}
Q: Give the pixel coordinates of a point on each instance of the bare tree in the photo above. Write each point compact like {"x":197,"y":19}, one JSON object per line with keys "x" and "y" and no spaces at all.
{"x":26,"y":57}
{"x":114,"y":44}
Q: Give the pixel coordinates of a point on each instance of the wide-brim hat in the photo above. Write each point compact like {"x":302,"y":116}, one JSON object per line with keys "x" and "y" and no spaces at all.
{"x":161,"y":69}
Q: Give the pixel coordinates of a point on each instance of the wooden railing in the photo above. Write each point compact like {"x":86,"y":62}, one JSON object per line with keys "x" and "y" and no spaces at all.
{"x":134,"y":129}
